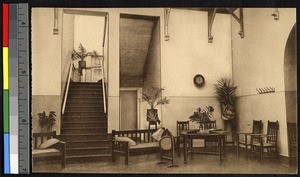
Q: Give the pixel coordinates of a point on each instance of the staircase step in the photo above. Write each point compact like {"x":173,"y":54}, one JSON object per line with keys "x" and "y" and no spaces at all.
{"x":85,"y":91}
{"x":86,"y":83}
{"x":84,"y":124}
{"x":88,"y":158}
{"x":84,"y":99}
{"x":79,"y":103}
{"x":88,"y":151}
{"x":80,"y":137}
{"x":85,"y":95}
{"x":85,"y":130}
{"x":84,"y":108}
{"x":88,"y":143}
{"x":85,"y":113}
{"x":83,"y":118}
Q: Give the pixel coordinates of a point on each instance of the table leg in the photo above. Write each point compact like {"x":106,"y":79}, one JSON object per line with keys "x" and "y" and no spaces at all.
{"x":184,"y":148}
{"x":220,"y":149}
{"x":224,"y":146}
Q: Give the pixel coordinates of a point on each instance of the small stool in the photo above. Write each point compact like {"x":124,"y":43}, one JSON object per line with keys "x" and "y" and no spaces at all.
{"x":152,"y":123}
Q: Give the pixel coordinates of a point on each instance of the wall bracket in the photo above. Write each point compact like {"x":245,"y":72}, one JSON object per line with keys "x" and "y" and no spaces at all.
{"x":166,"y":23}
{"x":211,"y":17}
{"x":240,"y":20}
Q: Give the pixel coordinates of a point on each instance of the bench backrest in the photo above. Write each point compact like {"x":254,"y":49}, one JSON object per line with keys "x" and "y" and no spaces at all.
{"x":139,"y":136}
{"x":39,"y":138}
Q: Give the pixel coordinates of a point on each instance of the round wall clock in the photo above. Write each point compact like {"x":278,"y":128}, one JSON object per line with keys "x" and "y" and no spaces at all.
{"x":199,"y":80}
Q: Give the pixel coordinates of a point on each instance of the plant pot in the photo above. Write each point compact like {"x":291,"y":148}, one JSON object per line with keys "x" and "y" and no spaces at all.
{"x":152,"y":115}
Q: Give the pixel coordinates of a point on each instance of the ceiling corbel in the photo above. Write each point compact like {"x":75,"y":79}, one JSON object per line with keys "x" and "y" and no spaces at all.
{"x":166,"y":23}
{"x":240,"y":20}
{"x":211,"y":17}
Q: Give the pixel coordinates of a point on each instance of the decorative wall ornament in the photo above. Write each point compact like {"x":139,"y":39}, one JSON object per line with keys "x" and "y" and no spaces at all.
{"x":55,"y":26}
{"x":265,"y":90}
{"x":167,"y":15}
{"x":275,"y":14}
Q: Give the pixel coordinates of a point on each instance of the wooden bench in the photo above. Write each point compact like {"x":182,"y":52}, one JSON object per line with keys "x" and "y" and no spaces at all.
{"x":143,"y":138}
{"x":52,"y":153}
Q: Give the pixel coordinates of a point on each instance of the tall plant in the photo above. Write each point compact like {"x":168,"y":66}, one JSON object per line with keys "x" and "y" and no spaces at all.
{"x":152,"y":97}
{"x":225,"y":91}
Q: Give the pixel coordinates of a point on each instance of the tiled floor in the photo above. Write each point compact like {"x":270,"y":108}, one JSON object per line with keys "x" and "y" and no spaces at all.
{"x":200,"y":164}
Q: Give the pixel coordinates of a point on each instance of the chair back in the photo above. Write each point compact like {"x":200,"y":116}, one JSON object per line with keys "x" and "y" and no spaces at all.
{"x":166,"y":142}
{"x":182,"y":125}
{"x":257,"y":127}
{"x":212,"y":124}
{"x":292,"y":133}
{"x":273,"y":128}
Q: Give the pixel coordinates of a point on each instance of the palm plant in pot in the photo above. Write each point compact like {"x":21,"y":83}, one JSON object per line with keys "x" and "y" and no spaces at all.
{"x":225,"y":91}
{"x":202,"y":117}
{"x":153,"y":98}
{"x":80,"y":55}
{"x":47,"y":121}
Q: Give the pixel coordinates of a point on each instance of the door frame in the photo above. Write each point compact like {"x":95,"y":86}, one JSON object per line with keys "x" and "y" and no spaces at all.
{"x":138,"y":107}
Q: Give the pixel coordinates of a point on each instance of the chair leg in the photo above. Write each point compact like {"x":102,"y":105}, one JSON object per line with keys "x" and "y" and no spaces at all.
{"x":237,"y":149}
{"x":261,"y":153}
{"x":252,"y":152}
{"x":126,"y":159}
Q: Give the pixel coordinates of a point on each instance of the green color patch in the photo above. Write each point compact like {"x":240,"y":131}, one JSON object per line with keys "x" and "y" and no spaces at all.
{"x":6,"y":111}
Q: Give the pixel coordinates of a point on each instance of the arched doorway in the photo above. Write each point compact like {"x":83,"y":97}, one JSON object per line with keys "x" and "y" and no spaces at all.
{"x":290,"y":84}
{"x":290,"y":76}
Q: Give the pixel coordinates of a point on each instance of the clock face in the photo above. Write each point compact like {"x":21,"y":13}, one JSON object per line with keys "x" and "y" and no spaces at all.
{"x":199,"y":80}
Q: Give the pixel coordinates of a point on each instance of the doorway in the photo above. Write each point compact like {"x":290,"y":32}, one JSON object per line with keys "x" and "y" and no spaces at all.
{"x":129,"y":109}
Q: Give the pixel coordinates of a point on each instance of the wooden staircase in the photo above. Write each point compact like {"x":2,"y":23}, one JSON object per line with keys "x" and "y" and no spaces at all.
{"x":84,"y":124}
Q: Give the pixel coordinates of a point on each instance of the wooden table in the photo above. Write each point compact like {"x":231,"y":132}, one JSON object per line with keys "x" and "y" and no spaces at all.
{"x":218,"y":136}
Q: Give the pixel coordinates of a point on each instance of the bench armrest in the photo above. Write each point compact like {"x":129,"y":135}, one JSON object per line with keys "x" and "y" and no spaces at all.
{"x":120,"y":145}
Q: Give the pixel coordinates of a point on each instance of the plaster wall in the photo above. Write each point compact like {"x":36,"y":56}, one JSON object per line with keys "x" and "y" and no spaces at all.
{"x":46,"y":66}
{"x":187,"y":54}
{"x":258,"y":61}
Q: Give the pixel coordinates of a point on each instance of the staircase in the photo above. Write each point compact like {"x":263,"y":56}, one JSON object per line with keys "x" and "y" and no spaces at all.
{"x":84,"y":124}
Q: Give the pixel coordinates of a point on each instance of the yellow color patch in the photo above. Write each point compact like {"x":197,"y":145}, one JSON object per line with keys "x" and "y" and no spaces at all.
{"x":5,"y":68}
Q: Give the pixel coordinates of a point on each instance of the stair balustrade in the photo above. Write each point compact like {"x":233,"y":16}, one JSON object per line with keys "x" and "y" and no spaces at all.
{"x":71,"y":69}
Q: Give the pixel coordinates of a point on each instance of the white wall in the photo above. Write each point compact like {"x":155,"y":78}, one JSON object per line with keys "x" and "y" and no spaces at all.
{"x":46,"y":66}
{"x":187,"y":54}
{"x":258,"y":62}
{"x":46,"y":53}
{"x":88,"y":30}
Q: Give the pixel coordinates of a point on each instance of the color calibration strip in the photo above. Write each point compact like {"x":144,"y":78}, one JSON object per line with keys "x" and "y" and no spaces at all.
{"x":5,"y":46}
{"x":16,"y":88}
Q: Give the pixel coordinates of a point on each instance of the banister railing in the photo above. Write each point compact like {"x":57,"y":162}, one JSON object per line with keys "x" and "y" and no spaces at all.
{"x":103,"y":85}
{"x":67,"y":87}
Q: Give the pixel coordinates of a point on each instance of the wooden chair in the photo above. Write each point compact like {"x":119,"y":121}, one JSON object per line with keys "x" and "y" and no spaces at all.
{"x":293,"y":143}
{"x":246,"y":138}
{"x":266,"y":142}
{"x":210,"y":125}
{"x":166,"y":145}
{"x":181,"y":125}
{"x":56,"y":151}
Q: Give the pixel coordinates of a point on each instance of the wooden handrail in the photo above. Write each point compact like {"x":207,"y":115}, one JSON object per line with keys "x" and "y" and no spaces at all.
{"x":102,"y":63}
{"x":103,"y":85}
{"x":67,"y":89}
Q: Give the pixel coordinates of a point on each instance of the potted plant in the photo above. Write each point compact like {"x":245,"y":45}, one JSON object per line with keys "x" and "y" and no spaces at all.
{"x":225,"y":93}
{"x":202,"y":117}
{"x":47,"y":121}
{"x":153,"y":98}
{"x":81,"y":54}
